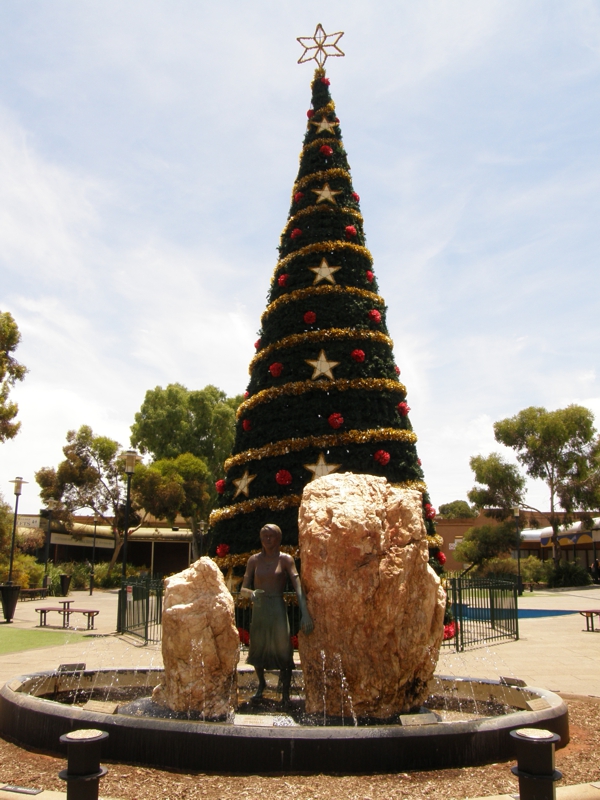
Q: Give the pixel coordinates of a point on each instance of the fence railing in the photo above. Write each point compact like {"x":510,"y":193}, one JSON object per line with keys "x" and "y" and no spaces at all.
{"x":484,"y":610}
{"x":140,"y":607}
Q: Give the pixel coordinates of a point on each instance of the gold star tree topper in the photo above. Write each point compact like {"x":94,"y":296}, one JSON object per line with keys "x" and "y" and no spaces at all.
{"x":320,"y":46}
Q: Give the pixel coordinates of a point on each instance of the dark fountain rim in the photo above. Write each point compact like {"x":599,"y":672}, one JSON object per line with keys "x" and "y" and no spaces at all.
{"x":224,"y":747}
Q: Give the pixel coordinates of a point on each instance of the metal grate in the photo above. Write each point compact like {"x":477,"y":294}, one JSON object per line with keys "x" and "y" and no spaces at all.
{"x":484,"y":610}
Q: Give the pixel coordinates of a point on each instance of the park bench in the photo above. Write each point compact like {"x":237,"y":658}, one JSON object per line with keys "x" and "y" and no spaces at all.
{"x":33,"y":594}
{"x":66,"y":611}
{"x":589,"y":618}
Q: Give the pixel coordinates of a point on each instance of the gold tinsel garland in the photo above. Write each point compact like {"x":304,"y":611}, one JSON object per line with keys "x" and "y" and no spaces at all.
{"x":323,"y":175}
{"x":310,"y":291}
{"x":246,"y":506}
{"x":239,"y":559}
{"x":322,"y":247}
{"x":300,"y":387}
{"x":435,"y":541}
{"x":304,"y":212}
{"x":320,"y":143}
{"x":322,"y":337}
{"x":285,"y":446}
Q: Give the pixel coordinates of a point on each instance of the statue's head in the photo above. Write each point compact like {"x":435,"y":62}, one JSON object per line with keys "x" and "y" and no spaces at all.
{"x":271,"y":534}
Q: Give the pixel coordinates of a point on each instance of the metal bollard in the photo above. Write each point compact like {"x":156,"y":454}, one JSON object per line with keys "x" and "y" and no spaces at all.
{"x":83,"y":770}
{"x":535,"y":763}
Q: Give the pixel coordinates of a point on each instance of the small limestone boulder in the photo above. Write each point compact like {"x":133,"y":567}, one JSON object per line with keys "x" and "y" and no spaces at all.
{"x":200,"y":643}
{"x":377,"y":605}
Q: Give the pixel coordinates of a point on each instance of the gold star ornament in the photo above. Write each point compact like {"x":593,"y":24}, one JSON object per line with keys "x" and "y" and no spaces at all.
{"x":323,"y":125}
{"x":242,"y":485}
{"x":320,"y":46}
{"x":324,"y":272}
{"x":326,"y":194}
{"x":321,"y":468}
{"x":321,"y":366}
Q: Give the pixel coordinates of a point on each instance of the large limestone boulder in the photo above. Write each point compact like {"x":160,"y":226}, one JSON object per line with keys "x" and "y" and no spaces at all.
{"x":200,"y":643}
{"x":377,"y":605}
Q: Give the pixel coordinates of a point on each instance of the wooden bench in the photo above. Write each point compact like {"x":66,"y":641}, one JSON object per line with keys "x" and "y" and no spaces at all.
{"x":33,"y":594}
{"x":589,"y":618}
{"x":66,"y":612}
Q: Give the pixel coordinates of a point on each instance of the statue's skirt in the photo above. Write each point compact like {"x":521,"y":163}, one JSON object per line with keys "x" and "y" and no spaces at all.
{"x":270,"y":643}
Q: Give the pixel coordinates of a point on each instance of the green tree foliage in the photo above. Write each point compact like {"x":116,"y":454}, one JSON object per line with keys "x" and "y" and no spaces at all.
{"x":457,"y":509}
{"x":559,"y":447}
{"x":92,"y":476}
{"x":534,"y":570}
{"x":176,"y":420}
{"x":10,"y":372}
{"x":568,"y":573}
{"x":486,"y":542}
{"x":324,"y":393}
{"x":172,"y":486}
{"x":26,"y":572}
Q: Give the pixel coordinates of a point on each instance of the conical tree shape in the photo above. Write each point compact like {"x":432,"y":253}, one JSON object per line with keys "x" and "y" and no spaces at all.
{"x":324,"y":393}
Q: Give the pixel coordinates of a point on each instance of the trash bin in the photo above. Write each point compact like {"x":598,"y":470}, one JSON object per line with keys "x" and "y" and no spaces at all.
{"x":65,"y":582}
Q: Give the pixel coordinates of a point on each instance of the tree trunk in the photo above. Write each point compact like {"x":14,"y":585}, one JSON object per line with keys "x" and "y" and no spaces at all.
{"x":116,"y":551}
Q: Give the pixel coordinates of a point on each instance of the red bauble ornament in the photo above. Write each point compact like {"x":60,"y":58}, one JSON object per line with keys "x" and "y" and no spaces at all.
{"x":325,"y":150}
{"x":337,"y":119}
{"x":257,"y":344}
{"x":283,"y":279}
{"x":244,"y":636}
{"x":220,"y":486}
{"x":350,"y":231}
{"x":247,"y":425}
{"x":310,"y":113}
{"x":403,"y":408}
{"x":326,"y":81}
{"x":430,"y":511}
{"x":222,"y":550}
{"x":375,"y":316}
{"x":441,"y":557}
{"x":295,"y":233}
{"x":246,"y":395}
{"x":419,"y":462}
{"x":382,"y":457}
{"x":276,"y":369}
{"x":283,"y":477}
{"x":298,"y":196}
{"x":310,"y":317}
{"x":335,"y":420}
{"x":397,"y":370}
{"x":356,"y":196}
{"x":370,"y":276}
{"x":358,"y":356}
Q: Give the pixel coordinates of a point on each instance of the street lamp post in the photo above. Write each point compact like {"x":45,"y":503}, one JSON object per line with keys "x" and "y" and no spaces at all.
{"x":9,"y":591}
{"x":18,"y":482}
{"x":93,"y":556}
{"x":516,"y":512}
{"x":131,"y":458}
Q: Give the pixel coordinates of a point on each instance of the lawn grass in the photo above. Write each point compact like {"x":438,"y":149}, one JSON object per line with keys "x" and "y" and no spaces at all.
{"x":14,"y":639}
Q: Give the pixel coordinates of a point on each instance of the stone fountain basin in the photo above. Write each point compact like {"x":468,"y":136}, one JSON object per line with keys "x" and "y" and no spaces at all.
{"x":29,"y":717}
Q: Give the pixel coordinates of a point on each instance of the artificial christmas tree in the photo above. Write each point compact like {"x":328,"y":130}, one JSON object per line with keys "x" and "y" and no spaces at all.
{"x":324,"y":393}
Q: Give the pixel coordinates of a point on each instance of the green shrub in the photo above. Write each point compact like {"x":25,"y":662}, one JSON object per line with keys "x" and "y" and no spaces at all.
{"x":568,"y":573}
{"x":499,"y":567}
{"x":533,"y":570}
{"x":27,"y":573}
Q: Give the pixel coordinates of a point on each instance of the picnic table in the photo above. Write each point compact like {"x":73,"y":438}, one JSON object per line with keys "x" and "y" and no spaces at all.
{"x":589,"y":618}
{"x":66,"y":610}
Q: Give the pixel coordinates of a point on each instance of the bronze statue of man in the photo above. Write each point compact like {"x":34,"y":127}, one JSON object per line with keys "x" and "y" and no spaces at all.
{"x":270,"y":644}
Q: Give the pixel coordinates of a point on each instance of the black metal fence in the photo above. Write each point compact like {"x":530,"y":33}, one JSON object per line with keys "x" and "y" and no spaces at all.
{"x":140,"y":609}
{"x":484,"y":610}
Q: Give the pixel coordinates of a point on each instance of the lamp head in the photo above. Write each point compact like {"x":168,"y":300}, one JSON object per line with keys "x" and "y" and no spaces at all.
{"x":18,"y":482}
{"x":131,"y":459}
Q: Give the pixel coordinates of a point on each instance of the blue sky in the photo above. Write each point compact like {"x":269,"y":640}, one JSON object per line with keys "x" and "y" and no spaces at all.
{"x":147,"y":153}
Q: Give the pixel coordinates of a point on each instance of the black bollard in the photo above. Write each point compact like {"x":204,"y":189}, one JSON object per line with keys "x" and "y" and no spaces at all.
{"x":83,"y":770}
{"x":534,"y":749}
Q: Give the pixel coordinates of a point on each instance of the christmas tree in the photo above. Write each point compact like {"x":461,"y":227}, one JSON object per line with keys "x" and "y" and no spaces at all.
{"x":324,"y":393}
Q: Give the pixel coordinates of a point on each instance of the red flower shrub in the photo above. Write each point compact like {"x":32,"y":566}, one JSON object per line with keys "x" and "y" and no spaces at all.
{"x":375,"y":316}
{"x":403,"y":408}
{"x":325,"y":150}
{"x":295,"y":233}
{"x":247,"y":425}
{"x":283,"y":477}
{"x":358,"y":356}
{"x":276,"y":369}
{"x":350,"y":232}
{"x":335,"y":420}
{"x":222,"y":550}
{"x":220,"y":486}
{"x":244,"y":636}
{"x":283,"y":279}
{"x":310,"y":317}
{"x":382,"y":457}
